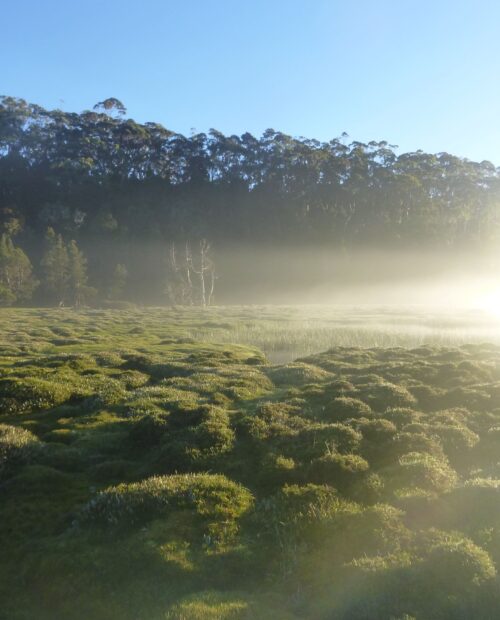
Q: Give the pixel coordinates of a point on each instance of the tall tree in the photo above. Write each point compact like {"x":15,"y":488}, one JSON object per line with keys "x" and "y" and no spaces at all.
{"x":118,"y":282}
{"x":55,"y":268}
{"x":16,"y":274}
{"x":78,"y":290}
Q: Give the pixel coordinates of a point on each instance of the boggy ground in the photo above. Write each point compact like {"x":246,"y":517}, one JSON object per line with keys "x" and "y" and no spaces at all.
{"x":145,"y":475}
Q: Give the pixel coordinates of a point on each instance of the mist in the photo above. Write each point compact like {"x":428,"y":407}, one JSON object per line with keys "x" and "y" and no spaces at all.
{"x":322,"y":276}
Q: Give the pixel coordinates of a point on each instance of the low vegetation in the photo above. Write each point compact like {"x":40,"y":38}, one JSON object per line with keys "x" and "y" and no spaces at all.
{"x":149,"y":473}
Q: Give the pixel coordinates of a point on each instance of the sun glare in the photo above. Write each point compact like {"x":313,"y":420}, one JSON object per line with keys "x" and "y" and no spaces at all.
{"x":489,"y":302}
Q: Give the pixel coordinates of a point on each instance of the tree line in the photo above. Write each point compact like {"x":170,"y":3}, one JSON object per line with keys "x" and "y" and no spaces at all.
{"x":61,"y":277}
{"x":63,"y":273}
{"x":122,"y":188}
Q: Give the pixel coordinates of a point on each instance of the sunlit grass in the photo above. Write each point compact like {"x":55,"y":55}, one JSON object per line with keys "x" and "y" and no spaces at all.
{"x":283,"y":333}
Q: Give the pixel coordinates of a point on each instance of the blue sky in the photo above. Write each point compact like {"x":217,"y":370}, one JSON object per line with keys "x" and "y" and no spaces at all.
{"x":416,"y":73}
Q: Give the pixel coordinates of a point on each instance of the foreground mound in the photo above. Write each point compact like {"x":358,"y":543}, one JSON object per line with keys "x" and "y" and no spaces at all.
{"x":197,"y":481}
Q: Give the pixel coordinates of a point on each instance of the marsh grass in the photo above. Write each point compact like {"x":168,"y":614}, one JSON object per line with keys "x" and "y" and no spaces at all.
{"x":154,"y":463}
{"x":283,"y":333}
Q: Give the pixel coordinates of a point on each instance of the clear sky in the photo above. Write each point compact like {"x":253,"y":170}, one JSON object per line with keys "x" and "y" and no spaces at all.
{"x":417,"y":73}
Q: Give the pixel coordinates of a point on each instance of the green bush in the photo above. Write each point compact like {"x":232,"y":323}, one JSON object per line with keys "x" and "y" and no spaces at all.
{"x":455,"y":439}
{"x":17,"y":447}
{"x":213,"y":436}
{"x":422,"y":471}
{"x":401,"y":416}
{"x":338,"y":470}
{"x":301,"y":513}
{"x":311,"y":441}
{"x":404,"y":443}
{"x":453,"y":564}
{"x":343,"y":408}
{"x":196,"y":445}
{"x":429,"y":397}
{"x":471,"y":398}
{"x":149,"y":430}
{"x":272,"y":420}
{"x":382,"y":396}
{"x":32,"y":394}
{"x":214,"y":499}
{"x":378,"y":440}
{"x":340,"y":387}
{"x":209,"y":606}
{"x":297,"y":373}
{"x":475,"y":504}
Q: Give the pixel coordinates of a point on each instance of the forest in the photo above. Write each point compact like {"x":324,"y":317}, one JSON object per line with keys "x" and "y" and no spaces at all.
{"x":113,"y":198}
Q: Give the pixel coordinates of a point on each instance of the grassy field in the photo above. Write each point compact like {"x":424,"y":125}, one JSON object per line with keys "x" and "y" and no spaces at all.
{"x":282,"y":333}
{"x":177,"y":464}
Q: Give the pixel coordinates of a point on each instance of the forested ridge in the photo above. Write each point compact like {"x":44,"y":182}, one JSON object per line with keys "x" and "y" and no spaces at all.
{"x":123,"y":191}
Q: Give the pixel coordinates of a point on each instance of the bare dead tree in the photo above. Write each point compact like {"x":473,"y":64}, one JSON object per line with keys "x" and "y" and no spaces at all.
{"x":178,"y":287}
{"x":181,"y":287}
{"x":213,"y":277}
{"x":204,"y":268}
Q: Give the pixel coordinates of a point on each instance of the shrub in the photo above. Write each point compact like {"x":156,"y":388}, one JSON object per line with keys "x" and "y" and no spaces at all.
{"x":369,"y":490}
{"x":214,"y":499}
{"x":113,"y":471}
{"x":428,"y":397}
{"x":273,"y":420}
{"x":31,"y":394}
{"x":343,"y":408}
{"x":209,"y":605}
{"x":377,"y":443}
{"x":132,"y":379}
{"x":297,"y":373}
{"x":454,"y":416}
{"x":376,"y":529}
{"x":198,"y":444}
{"x":149,"y":430}
{"x":470,"y":398}
{"x":213,"y":436}
{"x":404,"y":443}
{"x":17,"y":447}
{"x":338,"y":437}
{"x":340,"y":387}
{"x":475,"y":504}
{"x":454,"y":564}
{"x":423,"y":471}
{"x":370,"y":531}
{"x":455,"y":439}
{"x":382,"y":396}
{"x":276,"y":470}
{"x":400,"y":416}
{"x":339,"y":470}
{"x":106,"y":393}
{"x":301,"y":513}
